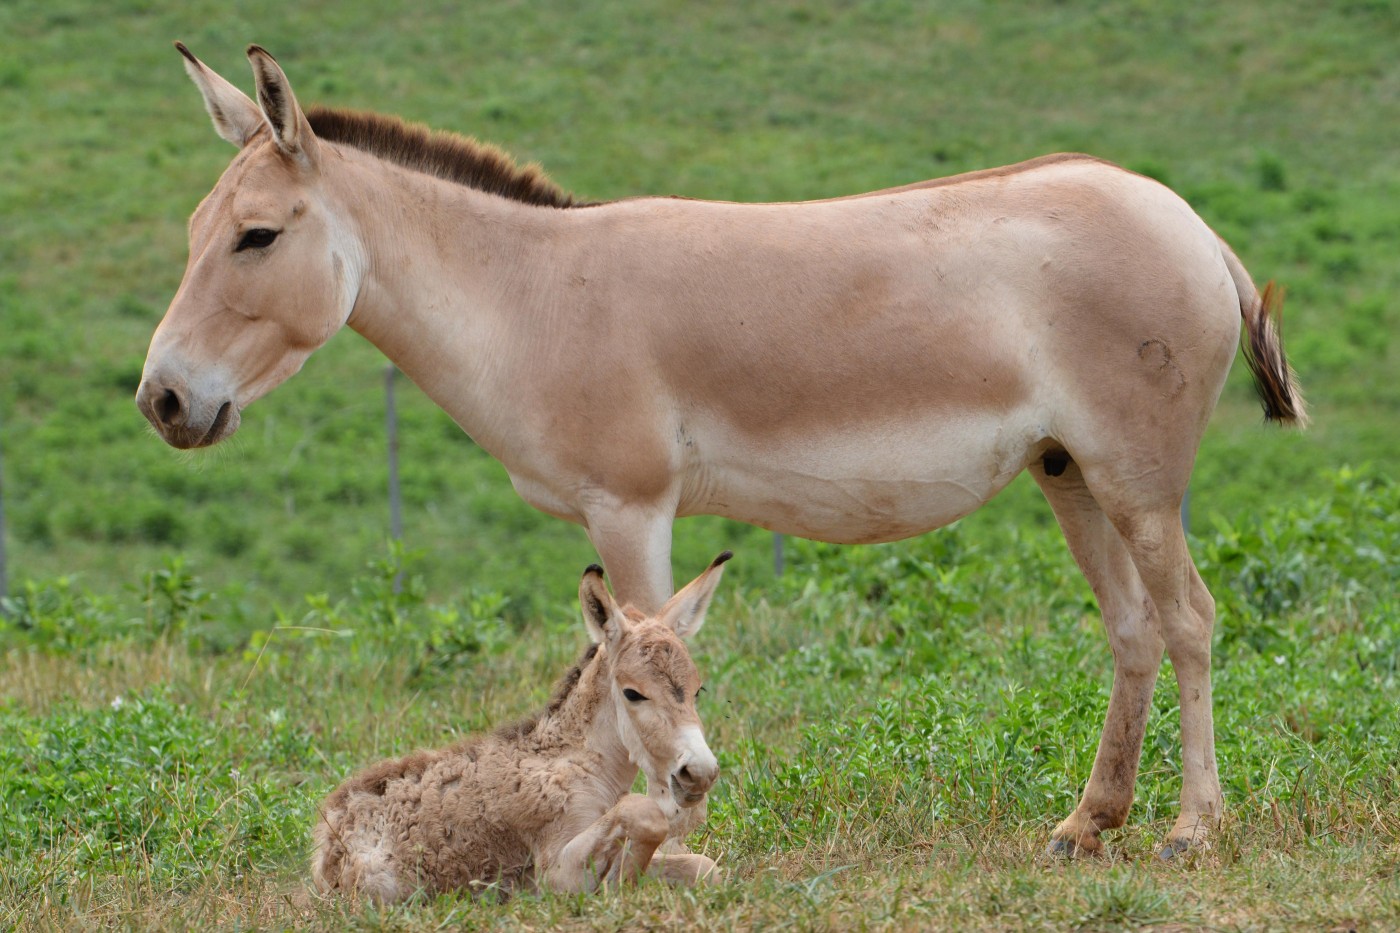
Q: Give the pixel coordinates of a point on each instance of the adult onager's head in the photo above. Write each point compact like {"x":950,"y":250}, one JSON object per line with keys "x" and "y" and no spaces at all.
{"x":271,"y":274}
{"x":545,"y":802}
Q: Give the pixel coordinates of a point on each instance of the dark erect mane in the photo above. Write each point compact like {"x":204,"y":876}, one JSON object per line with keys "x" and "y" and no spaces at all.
{"x":562,"y":690}
{"x":445,"y":155}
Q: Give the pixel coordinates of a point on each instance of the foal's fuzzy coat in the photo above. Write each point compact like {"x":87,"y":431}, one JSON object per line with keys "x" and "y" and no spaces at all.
{"x":544,"y":802}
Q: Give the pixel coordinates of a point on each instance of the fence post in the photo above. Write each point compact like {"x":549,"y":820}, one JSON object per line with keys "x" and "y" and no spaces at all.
{"x":391,"y":424}
{"x":4,"y":576}
{"x":777,"y":554}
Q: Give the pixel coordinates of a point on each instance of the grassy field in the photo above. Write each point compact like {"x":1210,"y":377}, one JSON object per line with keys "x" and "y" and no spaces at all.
{"x":197,"y":647}
{"x":896,"y":737}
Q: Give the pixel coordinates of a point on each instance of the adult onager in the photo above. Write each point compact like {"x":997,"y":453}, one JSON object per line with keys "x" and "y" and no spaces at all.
{"x":544,"y":803}
{"x":857,"y":369}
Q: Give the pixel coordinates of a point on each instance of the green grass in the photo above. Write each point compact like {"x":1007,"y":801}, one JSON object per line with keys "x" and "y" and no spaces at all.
{"x":899,"y":726}
{"x":897,"y":738}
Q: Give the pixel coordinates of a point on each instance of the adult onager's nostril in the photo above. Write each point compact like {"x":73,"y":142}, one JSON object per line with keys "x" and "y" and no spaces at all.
{"x":168,"y":408}
{"x":161,"y":406}
{"x":684,"y":774}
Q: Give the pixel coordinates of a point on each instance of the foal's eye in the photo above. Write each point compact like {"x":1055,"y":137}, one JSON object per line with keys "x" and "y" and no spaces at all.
{"x":632,"y":695}
{"x":257,"y":238}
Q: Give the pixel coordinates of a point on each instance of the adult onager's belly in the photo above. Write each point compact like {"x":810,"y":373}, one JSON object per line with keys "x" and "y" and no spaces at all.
{"x":865,"y":484}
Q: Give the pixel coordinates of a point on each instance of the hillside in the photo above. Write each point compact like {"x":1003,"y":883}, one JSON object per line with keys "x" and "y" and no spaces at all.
{"x":1278,"y":126}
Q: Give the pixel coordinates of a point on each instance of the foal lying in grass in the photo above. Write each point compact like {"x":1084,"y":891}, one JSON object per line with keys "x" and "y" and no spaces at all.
{"x":545,"y":803}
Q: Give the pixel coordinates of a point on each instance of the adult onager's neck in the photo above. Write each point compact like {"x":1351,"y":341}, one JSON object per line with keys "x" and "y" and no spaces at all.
{"x":452,"y":277}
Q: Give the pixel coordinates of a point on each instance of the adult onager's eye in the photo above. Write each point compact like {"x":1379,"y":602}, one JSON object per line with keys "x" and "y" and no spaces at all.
{"x":632,"y":695}
{"x":257,"y":238}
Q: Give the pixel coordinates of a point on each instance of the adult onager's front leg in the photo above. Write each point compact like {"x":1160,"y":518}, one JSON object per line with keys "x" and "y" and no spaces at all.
{"x":634,"y":542}
{"x":617,"y":847}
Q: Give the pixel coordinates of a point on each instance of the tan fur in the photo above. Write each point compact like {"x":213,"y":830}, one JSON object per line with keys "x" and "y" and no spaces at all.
{"x":855,"y":369}
{"x":543,"y":802}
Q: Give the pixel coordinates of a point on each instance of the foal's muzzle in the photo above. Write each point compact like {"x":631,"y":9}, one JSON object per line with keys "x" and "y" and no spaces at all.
{"x":693,"y":780}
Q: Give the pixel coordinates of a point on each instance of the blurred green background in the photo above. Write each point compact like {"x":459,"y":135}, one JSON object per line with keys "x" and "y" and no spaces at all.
{"x":1280,"y":123}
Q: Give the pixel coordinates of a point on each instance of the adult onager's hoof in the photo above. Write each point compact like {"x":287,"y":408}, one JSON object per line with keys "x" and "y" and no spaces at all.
{"x":1172,"y":849}
{"x":1190,"y":834}
{"x":1078,"y":835}
{"x":1179,"y":843}
{"x":1085,"y":846}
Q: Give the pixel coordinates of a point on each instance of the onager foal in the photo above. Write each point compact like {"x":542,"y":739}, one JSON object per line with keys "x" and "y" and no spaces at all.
{"x":544,"y":803}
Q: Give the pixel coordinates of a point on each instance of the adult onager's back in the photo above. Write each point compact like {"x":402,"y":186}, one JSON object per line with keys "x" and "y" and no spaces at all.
{"x":544,"y":803}
{"x":858,"y":369}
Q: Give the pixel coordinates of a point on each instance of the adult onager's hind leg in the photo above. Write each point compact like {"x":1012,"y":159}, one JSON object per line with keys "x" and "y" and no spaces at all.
{"x":1148,"y":521}
{"x":615,"y":848}
{"x":1131,"y":623}
{"x":1186,"y":609}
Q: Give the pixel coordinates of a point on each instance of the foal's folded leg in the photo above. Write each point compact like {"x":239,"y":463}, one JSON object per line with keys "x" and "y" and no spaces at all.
{"x":674,"y":863}
{"x":686,"y":869}
{"x":617,"y":847}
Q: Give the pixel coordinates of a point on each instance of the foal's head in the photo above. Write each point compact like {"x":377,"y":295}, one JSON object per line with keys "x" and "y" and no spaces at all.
{"x":654,"y":684}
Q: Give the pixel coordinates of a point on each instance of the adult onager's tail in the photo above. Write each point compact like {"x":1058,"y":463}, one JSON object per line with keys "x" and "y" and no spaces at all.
{"x":1274,"y":379}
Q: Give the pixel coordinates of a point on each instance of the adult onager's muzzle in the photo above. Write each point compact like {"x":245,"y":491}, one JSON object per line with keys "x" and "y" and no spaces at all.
{"x":181,"y":421}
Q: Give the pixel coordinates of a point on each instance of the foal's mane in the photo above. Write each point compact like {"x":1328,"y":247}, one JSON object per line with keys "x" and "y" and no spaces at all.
{"x":448,"y":156}
{"x":562,"y":691}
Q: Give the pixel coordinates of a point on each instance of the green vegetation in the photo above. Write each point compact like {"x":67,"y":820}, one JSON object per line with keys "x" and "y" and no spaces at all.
{"x":898,"y":728}
{"x":195,"y":648}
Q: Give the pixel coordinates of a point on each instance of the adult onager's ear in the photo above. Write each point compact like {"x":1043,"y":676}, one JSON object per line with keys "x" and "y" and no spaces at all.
{"x":290,"y":131}
{"x":236,"y":118}
{"x":685,"y":612}
{"x":600,"y":613}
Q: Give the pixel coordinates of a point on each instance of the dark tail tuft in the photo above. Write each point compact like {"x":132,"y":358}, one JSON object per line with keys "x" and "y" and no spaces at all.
{"x":1274,"y":379}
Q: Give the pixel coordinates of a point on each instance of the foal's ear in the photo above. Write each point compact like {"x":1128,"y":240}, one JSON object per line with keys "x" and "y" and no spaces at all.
{"x":290,"y":130}
{"x":236,"y":118}
{"x":685,"y":612}
{"x":600,"y":613}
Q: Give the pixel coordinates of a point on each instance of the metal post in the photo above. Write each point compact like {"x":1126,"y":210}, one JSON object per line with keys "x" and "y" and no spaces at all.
{"x":391,"y":422}
{"x":4,"y":578}
{"x":777,"y":554}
